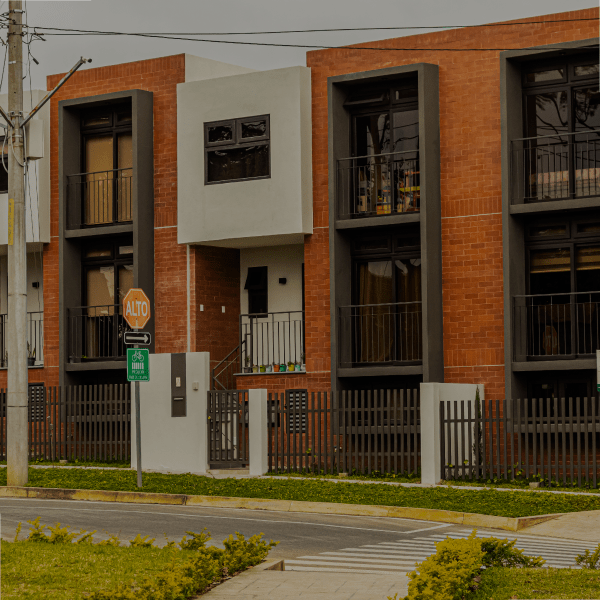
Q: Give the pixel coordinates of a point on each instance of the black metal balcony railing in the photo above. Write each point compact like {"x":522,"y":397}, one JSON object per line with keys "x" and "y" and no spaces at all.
{"x":272,"y":340}
{"x":556,"y":326}
{"x":35,"y":339}
{"x":100,"y":198}
{"x":555,"y":167}
{"x":96,"y":333}
{"x":375,"y":334}
{"x":381,"y":184}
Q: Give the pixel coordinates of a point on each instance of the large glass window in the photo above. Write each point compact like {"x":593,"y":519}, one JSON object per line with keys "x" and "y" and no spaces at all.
{"x":564,"y":288}
{"x":561,"y":150}
{"x":382,"y":176}
{"x":386,"y":316}
{"x":237,"y":149}
{"x":105,"y":186}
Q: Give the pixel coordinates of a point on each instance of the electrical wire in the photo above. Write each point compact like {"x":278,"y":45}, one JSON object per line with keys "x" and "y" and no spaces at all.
{"x":403,"y":27}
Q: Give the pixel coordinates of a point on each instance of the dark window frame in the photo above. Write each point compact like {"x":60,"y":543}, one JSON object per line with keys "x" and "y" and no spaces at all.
{"x":236,"y":143}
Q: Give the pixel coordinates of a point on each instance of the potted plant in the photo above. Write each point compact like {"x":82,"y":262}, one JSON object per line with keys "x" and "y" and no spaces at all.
{"x":269,"y":368}
{"x":262,"y":368}
{"x":297,"y":366}
{"x":30,"y":356}
{"x":255,"y":368}
{"x":290,"y":366}
{"x":282,"y":368}
{"x":275,"y":367}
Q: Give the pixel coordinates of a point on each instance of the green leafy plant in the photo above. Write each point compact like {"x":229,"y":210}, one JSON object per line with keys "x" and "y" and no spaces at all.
{"x":502,"y":553}
{"x":141,"y":542}
{"x":589,"y":560}
{"x":197,"y":540}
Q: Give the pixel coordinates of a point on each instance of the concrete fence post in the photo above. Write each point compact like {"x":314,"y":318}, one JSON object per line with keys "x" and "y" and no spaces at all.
{"x":258,"y":432}
{"x":431,"y":396}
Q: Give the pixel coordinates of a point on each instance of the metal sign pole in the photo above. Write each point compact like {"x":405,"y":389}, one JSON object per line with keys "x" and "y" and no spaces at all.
{"x":138,"y":433}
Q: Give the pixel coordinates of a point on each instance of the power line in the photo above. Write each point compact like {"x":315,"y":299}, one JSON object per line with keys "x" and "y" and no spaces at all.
{"x":403,"y":28}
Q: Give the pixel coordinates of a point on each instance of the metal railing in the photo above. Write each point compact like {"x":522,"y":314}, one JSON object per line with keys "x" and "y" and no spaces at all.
{"x":272,"y":340}
{"x":84,"y":422}
{"x":380,"y":333}
{"x":358,"y":432}
{"x":96,"y":333}
{"x":35,"y":339}
{"x":556,"y":325}
{"x":547,"y":439}
{"x":381,"y":184}
{"x":99,"y":198}
{"x":223,"y":373}
{"x":555,"y":167}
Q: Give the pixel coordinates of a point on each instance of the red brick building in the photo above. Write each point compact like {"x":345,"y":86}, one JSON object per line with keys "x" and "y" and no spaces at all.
{"x":434,"y":247}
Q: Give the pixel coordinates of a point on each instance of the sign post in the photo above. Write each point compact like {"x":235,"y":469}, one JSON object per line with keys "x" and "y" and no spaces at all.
{"x":136,"y":312}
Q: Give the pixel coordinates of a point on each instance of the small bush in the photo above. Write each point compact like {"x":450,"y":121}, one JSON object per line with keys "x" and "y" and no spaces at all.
{"x":141,"y":542}
{"x":197,"y":541}
{"x":589,"y":560}
{"x":502,"y":553}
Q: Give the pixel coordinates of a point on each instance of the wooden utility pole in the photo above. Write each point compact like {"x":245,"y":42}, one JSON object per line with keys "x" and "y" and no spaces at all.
{"x":16,"y":421}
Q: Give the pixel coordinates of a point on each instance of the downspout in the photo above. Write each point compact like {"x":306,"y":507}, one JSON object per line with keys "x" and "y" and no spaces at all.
{"x":189,"y":300}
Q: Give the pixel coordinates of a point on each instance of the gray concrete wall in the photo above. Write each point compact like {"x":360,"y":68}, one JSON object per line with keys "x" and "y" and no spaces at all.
{"x":271,"y":211}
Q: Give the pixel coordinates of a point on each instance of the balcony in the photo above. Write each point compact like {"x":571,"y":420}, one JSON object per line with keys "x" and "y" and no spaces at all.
{"x":100,"y":198}
{"x":555,"y":167}
{"x":95,"y":333}
{"x":35,"y":339}
{"x":380,"y":334}
{"x":378,"y":185}
{"x":272,"y":340}
{"x":557,"y":326}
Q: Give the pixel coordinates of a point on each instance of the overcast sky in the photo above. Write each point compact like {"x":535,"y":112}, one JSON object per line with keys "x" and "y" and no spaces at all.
{"x":59,"y":53}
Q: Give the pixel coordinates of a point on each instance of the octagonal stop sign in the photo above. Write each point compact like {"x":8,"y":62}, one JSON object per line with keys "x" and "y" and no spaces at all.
{"x":136,"y":308}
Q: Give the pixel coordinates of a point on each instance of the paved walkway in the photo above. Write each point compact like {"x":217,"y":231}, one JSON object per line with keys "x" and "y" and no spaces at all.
{"x":290,"y":585}
{"x":583,"y":526}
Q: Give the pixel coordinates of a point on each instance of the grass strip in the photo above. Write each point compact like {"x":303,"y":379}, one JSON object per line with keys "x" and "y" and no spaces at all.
{"x":71,"y":571}
{"x":489,"y":502}
{"x":503,"y":584}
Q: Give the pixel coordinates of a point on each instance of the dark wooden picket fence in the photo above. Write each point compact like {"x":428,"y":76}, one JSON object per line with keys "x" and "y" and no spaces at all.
{"x":536,"y":439}
{"x":85,"y":423}
{"x":360,"y":432}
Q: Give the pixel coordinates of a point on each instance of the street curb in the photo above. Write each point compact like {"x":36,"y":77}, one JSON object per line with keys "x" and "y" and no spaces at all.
{"x":326,"y":508}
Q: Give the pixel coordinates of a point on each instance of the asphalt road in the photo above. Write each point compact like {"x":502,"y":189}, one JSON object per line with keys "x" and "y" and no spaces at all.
{"x":298,"y":533}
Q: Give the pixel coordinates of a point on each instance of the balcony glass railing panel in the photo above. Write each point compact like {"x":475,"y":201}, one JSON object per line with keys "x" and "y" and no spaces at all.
{"x":100,"y":198}
{"x":272,"y":339}
{"x":96,"y":333}
{"x":378,"y":185}
{"x":377,"y":334}
{"x":554,"y":326}
{"x":556,"y":167}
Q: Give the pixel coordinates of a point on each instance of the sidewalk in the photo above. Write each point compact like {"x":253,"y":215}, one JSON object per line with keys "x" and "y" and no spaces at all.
{"x":575,"y":526}
{"x":290,"y":585}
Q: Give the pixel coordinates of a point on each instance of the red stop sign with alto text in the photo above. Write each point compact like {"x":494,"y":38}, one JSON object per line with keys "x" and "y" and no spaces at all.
{"x":136,"y":308}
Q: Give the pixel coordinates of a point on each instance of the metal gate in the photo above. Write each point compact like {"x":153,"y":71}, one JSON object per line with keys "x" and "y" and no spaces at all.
{"x":228,"y":429}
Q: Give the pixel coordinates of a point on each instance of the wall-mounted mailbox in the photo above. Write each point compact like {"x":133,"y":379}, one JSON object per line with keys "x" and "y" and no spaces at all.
{"x":178,"y":386}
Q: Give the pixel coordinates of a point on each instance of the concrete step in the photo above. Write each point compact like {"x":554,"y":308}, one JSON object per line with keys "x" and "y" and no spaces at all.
{"x":229,"y":472}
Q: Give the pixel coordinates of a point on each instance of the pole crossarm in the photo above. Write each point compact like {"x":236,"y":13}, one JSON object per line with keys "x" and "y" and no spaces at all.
{"x":49,"y":95}
{"x":6,"y":117}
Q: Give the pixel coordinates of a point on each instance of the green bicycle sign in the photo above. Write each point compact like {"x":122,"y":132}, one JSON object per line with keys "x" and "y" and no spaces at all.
{"x":138,"y":364}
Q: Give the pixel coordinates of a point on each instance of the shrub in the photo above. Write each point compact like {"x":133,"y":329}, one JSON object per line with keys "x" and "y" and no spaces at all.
{"x":502,"y":553}
{"x":589,"y":560}
{"x":448,"y":574}
{"x":197,"y":541}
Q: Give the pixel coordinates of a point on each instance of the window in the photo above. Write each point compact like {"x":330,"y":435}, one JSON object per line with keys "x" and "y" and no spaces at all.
{"x":107,"y":160}
{"x":562,"y":129}
{"x":383,"y":173}
{"x":237,"y":149}
{"x":257,"y":286}
{"x":107,"y":277}
{"x":386,"y":310}
{"x":564,"y":288}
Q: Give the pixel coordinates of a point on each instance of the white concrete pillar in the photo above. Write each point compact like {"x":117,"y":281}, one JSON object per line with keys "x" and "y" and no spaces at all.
{"x":258,"y":432}
{"x":431,"y":396}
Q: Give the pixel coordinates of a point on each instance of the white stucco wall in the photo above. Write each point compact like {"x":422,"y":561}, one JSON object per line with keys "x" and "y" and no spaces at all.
{"x":37,"y":199}
{"x":282,"y":261}
{"x":173,"y":444}
{"x":35,"y":296}
{"x":198,"y":68}
{"x":240,"y":214}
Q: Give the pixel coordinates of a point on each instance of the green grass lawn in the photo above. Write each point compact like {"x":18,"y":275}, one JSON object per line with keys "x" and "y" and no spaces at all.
{"x":490,"y":502}
{"x":503,"y":584}
{"x":67,"y":571}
